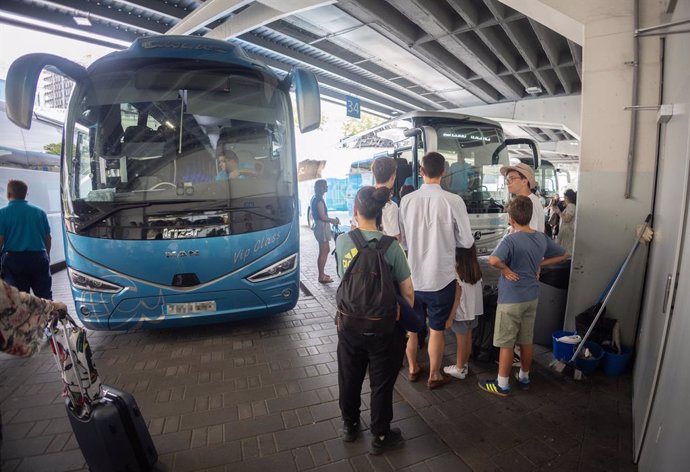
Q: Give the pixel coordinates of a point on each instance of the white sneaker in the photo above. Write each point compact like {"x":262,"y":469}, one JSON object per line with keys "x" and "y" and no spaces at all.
{"x":453,"y":371}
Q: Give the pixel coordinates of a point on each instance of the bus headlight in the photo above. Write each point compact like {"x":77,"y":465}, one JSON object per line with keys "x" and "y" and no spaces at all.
{"x":279,"y":268}
{"x":92,"y":284}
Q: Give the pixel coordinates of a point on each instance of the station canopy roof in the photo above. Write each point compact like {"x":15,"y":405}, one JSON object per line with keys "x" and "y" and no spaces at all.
{"x":396,"y":56}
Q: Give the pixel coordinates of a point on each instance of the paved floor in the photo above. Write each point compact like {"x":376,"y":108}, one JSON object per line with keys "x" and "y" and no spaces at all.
{"x":262,"y":395}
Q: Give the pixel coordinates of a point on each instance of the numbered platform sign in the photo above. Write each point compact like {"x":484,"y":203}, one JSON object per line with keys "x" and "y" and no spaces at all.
{"x":352,"y":104}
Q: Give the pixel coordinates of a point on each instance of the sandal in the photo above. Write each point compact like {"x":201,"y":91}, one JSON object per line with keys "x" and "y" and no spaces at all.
{"x":413,"y":376}
{"x":326,"y":280}
{"x":434,"y":384}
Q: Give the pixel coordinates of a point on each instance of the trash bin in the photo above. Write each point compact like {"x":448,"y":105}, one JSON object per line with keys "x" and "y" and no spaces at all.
{"x":553,"y":295}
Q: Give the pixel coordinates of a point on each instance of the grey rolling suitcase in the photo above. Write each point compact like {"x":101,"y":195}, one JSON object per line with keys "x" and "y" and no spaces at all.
{"x":107,"y":422}
{"x":114,"y":437}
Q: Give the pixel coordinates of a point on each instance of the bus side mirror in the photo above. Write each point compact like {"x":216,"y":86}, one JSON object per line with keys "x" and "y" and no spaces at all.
{"x":22,"y":78}
{"x":308,"y":99}
{"x":515,"y":141}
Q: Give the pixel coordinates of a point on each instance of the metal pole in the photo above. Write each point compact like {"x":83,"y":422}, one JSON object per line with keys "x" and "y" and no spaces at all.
{"x":661,"y":26}
{"x":635,"y":96}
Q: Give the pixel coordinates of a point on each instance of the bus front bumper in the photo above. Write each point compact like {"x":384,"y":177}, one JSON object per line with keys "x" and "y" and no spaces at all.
{"x":125,"y":313}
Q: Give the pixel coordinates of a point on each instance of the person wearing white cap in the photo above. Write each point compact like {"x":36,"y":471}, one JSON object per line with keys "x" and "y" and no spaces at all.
{"x":520,"y":180}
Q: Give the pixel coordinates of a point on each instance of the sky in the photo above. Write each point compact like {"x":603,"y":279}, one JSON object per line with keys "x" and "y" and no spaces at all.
{"x":319,"y":144}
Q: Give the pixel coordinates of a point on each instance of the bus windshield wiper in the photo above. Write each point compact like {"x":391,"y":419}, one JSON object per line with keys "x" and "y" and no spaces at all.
{"x":107,"y":214}
{"x":251,"y":210}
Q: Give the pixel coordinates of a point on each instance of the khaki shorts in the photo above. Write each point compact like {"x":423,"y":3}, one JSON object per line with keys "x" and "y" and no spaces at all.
{"x":515,"y":323}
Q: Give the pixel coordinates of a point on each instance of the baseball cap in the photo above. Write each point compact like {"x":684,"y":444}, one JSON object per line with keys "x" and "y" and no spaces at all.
{"x":524,"y":169}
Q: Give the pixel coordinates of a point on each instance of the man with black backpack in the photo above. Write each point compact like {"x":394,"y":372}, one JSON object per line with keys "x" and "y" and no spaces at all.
{"x":373,"y":269}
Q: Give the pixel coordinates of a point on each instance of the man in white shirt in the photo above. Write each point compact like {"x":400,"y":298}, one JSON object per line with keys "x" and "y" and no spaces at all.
{"x":433,"y":222}
{"x":384,"y":170}
{"x":520,"y":179}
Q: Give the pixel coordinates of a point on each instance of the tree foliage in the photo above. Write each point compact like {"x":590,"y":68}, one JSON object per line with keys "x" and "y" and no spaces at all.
{"x":355,"y":126}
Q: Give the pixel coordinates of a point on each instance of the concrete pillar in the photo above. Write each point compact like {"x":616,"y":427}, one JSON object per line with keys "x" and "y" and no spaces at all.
{"x":605,"y":218}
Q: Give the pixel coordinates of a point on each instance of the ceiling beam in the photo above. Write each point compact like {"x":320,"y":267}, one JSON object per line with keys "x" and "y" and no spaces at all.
{"x":467,"y":9}
{"x":576,"y":52}
{"x":374,"y":65}
{"x":394,"y":26}
{"x":548,"y":39}
{"x":208,"y":12}
{"x":61,"y":28}
{"x":98,"y":12}
{"x":395,"y":93}
{"x":165,"y":9}
{"x":522,"y":44}
{"x":373,"y":101}
{"x":370,"y":66}
{"x":260,"y":13}
{"x":436,"y":21}
{"x":64,"y":25}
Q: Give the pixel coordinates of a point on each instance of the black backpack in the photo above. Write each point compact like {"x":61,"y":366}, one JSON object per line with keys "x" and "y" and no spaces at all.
{"x":367,"y":298}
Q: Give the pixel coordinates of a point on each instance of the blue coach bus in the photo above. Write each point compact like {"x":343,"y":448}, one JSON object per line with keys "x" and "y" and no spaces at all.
{"x":474,"y":149}
{"x":152,"y":238}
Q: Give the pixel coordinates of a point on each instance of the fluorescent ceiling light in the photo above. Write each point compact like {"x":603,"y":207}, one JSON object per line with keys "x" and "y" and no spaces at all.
{"x":27,"y":22}
{"x":82,"y":21}
{"x":533,"y":90}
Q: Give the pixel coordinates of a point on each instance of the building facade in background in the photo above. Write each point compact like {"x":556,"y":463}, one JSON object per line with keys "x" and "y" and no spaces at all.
{"x":54,"y":91}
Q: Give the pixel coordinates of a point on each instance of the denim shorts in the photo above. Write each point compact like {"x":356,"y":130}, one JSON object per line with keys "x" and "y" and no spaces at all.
{"x":462,"y":327}
{"x":436,"y":305}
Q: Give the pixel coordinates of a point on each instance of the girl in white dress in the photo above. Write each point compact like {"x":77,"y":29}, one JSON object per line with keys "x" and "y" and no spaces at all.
{"x":469,"y":304}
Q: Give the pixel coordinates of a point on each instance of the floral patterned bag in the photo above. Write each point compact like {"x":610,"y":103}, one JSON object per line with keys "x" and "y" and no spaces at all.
{"x":73,"y":357}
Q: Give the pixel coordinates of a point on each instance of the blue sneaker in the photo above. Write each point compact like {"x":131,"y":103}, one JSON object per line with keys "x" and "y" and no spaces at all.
{"x":523,"y":384}
{"x":492,"y":386}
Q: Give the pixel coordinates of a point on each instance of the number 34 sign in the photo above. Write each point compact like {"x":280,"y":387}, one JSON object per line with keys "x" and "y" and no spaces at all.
{"x":352,"y":105}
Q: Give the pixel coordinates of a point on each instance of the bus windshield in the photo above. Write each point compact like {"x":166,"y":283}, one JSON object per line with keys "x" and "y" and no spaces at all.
{"x":202,"y":148}
{"x":468,"y":149}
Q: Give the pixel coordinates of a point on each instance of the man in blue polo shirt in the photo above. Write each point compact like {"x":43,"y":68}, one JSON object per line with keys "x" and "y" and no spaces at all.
{"x":25,"y":240}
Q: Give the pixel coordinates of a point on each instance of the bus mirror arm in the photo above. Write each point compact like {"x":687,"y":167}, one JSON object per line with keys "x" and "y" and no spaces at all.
{"x":497,"y":151}
{"x":412,"y":132}
{"x":516,"y":141}
{"x":22,"y":79}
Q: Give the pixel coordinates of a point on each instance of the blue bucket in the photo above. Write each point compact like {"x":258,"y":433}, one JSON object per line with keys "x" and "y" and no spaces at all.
{"x":614,"y":364}
{"x":588,"y":366}
{"x":562,"y":351}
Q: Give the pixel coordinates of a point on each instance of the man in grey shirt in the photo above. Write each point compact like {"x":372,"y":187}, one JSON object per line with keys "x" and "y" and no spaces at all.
{"x":433,"y":222}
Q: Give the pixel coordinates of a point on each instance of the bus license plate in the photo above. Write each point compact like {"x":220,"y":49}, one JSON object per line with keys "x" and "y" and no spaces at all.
{"x":187,"y":308}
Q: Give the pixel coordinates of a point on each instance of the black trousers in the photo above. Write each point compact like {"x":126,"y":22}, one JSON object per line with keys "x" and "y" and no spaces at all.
{"x":28,"y":271}
{"x":383,"y":355}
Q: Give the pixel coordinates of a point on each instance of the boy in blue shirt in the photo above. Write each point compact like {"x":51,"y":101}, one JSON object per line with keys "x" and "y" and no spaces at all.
{"x":519,"y":256}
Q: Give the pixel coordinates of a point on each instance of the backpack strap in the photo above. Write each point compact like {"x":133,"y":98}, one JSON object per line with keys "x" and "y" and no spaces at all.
{"x":358,"y":238}
{"x":384,"y":243}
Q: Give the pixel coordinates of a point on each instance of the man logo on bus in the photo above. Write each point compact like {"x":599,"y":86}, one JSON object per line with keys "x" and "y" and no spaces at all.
{"x":180,"y":233}
{"x":477,"y":235}
{"x":181,"y":253}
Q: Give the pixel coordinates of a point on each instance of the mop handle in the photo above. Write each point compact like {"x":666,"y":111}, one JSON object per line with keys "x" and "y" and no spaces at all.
{"x":613,"y":286}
